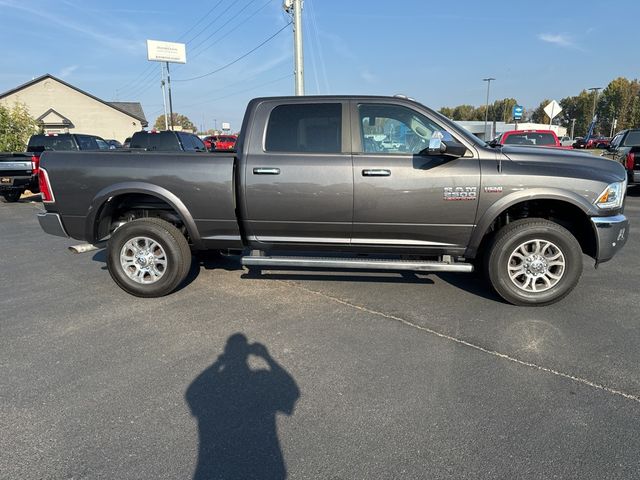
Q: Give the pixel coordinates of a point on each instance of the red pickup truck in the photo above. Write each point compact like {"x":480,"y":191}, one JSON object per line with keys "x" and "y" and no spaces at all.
{"x":536,"y":138}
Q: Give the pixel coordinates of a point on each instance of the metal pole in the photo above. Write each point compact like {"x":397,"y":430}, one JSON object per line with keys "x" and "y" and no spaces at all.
{"x":170,"y":101}
{"x":573,"y":125}
{"x":164,"y":99}
{"x":486,"y":112}
{"x":595,"y":97}
{"x":297,"y":39}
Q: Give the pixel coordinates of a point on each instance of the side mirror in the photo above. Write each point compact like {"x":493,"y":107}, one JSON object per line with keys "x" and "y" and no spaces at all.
{"x":447,"y":148}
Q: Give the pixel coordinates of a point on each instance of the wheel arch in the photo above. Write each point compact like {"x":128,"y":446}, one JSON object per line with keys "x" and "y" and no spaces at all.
{"x":105,"y":200}
{"x":566,"y":208}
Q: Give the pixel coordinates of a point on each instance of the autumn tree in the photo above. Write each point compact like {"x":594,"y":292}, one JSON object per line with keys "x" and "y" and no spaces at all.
{"x":619,"y":100}
{"x":16,"y":126}
{"x":178,"y":120}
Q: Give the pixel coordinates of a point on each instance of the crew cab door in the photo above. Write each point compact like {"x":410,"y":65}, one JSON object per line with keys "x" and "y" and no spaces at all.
{"x":404,"y":199}
{"x":298,"y":177}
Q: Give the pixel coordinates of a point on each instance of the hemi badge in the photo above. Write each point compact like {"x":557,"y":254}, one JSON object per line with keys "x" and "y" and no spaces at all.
{"x":493,"y":189}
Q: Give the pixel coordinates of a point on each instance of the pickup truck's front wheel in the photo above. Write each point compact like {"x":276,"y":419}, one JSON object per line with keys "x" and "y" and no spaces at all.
{"x":534,"y":261}
{"x":148,"y":257}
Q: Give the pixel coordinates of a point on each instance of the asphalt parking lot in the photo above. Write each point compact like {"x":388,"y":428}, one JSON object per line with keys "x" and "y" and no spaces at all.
{"x":310,"y":375}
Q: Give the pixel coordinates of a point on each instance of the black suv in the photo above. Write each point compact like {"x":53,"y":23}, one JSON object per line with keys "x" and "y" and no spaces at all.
{"x":65,"y":141}
{"x":167,"y":140}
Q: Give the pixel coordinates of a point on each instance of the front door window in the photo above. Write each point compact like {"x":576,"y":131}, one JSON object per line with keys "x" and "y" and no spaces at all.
{"x":394,"y":129}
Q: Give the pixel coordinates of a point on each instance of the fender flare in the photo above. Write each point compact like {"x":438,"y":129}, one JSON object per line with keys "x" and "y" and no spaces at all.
{"x":485,"y":221}
{"x":104,"y":195}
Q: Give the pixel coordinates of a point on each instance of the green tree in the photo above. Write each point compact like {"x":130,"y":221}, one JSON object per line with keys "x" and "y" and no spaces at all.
{"x":16,"y":126}
{"x":619,"y":100}
{"x":178,"y":120}
{"x":578,"y":107}
{"x":447,"y":112}
{"x":538,"y":115}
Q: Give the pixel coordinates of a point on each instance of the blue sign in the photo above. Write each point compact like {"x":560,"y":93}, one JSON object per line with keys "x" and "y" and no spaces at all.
{"x":518,"y":110}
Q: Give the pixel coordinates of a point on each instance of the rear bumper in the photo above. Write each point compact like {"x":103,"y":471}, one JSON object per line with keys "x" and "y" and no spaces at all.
{"x":611,"y":234}
{"x":17,"y":183}
{"x":51,"y":224}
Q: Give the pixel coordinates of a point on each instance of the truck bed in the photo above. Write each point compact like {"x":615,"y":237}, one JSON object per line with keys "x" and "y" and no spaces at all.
{"x":199,"y":186}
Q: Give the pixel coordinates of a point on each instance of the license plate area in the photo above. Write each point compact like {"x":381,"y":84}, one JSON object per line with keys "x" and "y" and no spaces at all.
{"x":6,"y":180}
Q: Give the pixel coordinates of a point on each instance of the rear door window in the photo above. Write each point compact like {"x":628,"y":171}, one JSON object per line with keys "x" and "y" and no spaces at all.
{"x":86,"y":142}
{"x":305,"y":128}
{"x":632,"y":139}
{"x":198,"y":144}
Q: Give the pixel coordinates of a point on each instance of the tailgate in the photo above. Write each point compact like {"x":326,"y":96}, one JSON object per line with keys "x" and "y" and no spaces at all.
{"x":15,"y":165}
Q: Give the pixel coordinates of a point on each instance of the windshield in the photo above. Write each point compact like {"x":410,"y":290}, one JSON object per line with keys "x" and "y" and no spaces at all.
{"x":530,"y":138}
{"x":51,"y":142}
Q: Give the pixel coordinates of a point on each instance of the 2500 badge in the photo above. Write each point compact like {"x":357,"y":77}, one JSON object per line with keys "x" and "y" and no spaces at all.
{"x":460,"y":193}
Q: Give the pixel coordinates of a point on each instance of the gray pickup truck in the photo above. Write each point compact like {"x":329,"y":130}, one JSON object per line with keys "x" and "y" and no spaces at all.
{"x":345,"y":182}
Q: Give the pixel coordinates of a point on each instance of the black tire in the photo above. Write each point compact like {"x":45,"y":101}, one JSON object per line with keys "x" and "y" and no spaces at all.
{"x":12,"y":196}
{"x":561,"y":273}
{"x":175,"y":253}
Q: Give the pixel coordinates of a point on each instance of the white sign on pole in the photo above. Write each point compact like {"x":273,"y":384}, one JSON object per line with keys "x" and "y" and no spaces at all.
{"x":552,"y":109}
{"x":226,"y":126}
{"x":158,"y":51}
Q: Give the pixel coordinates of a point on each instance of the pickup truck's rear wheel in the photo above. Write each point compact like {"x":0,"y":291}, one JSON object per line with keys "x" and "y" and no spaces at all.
{"x":534,"y":261}
{"x":12,"y":196}
{"x":148,"y":257}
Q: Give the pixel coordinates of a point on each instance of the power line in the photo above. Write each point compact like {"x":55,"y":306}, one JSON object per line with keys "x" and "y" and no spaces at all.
{"x":193,"y":55}
{"x":147,"y":70}
{"x":237,"y":59}
{"x":226,"y":23}
{"x":202,"y":18}
{"x":289,"y":75}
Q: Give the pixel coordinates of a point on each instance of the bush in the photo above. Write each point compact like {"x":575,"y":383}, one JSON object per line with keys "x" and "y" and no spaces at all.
{"x":16,"y":126}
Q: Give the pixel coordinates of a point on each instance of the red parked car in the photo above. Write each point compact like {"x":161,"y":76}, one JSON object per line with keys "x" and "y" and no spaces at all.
{"x":536,"y":138}
{"x":598,"y":142}
{"x":220,"y":142}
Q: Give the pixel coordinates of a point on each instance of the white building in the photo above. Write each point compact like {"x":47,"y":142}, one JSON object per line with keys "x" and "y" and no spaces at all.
{"x":63,"y":108}
{"x":496,"y":128}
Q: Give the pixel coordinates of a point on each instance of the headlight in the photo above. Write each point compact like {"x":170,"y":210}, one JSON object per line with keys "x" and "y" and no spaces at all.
{"x":612,"y":196}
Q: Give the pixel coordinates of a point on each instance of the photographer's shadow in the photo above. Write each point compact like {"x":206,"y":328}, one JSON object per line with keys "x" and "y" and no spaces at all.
{"x":236,"y":407}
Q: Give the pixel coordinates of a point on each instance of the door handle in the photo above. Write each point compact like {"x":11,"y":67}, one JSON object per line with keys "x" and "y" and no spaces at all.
{"x":266,"y":171}
{"x":376,"y":172}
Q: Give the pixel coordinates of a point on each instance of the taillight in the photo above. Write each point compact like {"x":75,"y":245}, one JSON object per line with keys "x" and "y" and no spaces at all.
{"x":45,"y":187}
{"x":631,"y":160}
{"x":35,"y":164}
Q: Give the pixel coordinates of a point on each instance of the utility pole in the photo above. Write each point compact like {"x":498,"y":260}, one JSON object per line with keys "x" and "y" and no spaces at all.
{"x":294,"y":8}
{"x":573,"y":126}
{"x":164,"y":98}
{"x":170,"y":101}
{"x":486,"y":111}
{"x":595,"y":97}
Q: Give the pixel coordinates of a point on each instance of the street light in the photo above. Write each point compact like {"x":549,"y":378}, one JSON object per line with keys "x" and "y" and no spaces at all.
{"x":486,"y":111}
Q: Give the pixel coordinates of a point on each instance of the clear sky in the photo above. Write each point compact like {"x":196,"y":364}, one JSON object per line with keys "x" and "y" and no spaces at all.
{"x":436,"y":52}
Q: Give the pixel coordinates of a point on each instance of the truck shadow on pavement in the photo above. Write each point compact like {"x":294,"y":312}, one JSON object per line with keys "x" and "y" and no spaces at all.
{"x":235,"y":407}
{"x":470,"y":283}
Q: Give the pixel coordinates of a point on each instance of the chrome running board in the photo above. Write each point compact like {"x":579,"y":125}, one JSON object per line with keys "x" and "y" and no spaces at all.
{"x":356,"y":264}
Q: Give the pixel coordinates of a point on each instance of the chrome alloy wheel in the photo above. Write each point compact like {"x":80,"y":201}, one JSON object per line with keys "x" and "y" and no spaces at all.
{"x":536,"y":266}
{"x":143,"y":260}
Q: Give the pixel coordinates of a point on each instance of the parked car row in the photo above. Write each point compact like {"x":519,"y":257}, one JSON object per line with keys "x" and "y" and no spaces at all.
{"x":220,"y":142}
{"x":533,"y":138}
{"x":19,"y":171}
{"x":625,"y":149}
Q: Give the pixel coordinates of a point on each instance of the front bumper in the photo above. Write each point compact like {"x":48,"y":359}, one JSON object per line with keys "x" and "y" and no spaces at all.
{"x":52,"y":224}
{"x":611,"y":235}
